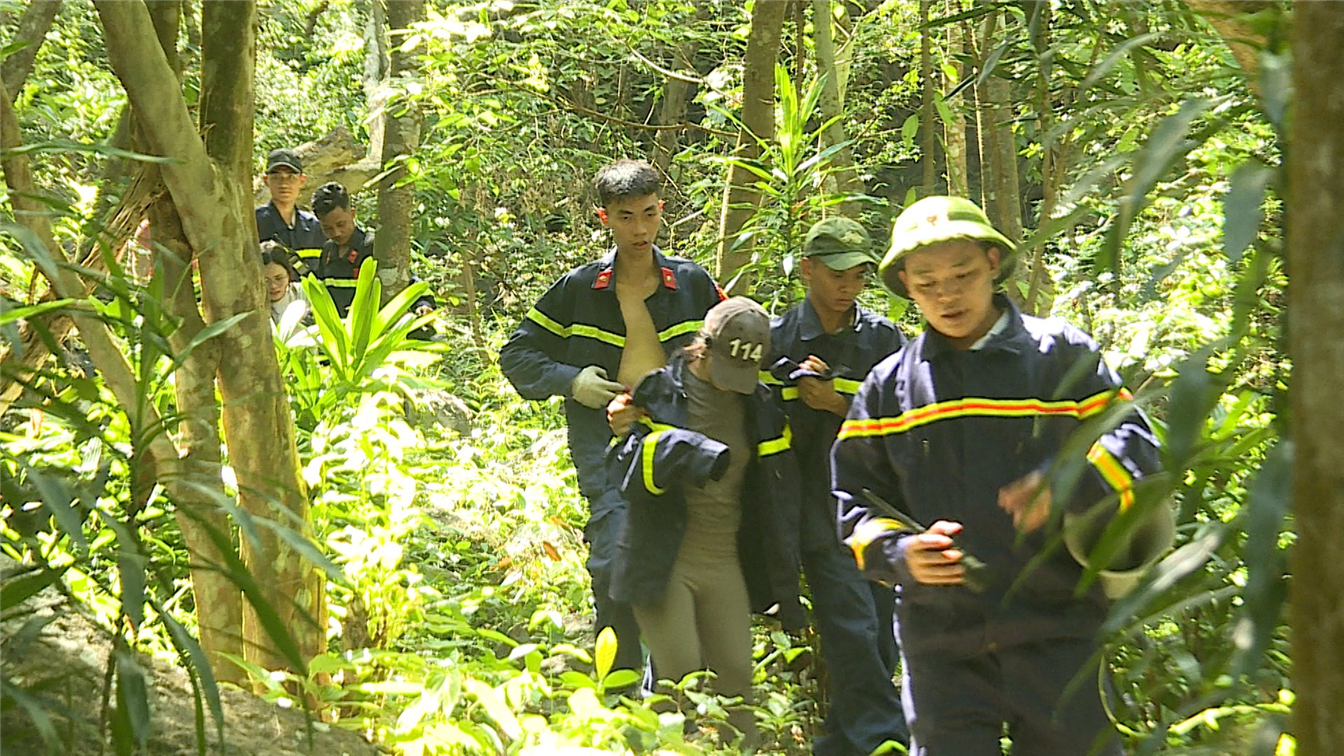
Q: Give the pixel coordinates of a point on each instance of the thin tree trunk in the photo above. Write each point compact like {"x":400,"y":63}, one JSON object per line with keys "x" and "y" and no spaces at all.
{"x":954,"y":132}
{"x":927,"y":115}
{"x":216,"y":215}
{"x":676,"y":92}
{"x":999,"y":173}
{"x":1231,"y":19}
{"x":1040,"y":290}
{"x":846,"y":178}
{"x":258,"y":427}
{"x":1315,"y":245}
{"x":401,"y":137}
{"x":219,"y":602}
{"x":758,"y":119}
{"x":33,"y":27}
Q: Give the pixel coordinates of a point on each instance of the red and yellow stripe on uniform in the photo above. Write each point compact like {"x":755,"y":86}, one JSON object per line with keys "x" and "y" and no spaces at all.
{"x":978,"y":407}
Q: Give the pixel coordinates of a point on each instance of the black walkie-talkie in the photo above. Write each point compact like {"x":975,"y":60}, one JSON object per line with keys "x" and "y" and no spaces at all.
{"x":976,"y":577}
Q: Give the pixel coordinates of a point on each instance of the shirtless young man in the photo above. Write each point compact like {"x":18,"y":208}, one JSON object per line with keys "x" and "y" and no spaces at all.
{"x":592,"y":336}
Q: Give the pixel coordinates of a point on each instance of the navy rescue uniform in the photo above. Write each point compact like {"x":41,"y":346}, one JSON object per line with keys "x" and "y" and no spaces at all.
{"x":339,"y":271}
{"x":658,"y":458}
{"x":578,"y":323}
{"x":853,"y":614}
{"x":937,"y":431}
{"x":304,"y":239}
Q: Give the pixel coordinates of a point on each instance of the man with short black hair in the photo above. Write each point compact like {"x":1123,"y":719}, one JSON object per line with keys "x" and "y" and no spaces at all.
{"x":281,"y":219}
{"x":346,"y":249}
{"x":591,"y":337}
{"x":820,"y":351}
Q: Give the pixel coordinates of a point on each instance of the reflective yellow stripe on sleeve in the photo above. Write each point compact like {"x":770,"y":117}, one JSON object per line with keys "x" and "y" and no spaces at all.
{"x":578,"y":329}
{"x":775,"y":445}
{"x":768,"y":378}
{"x":308,"y":253}
{"x":867,"y":532}
{"x":340,"y":283}
{"x":649,"y":450}
{"x":978,"y":407}
{"x":541,"y":319}
{"x":847,"y":386}
{"x":1113,"y":473}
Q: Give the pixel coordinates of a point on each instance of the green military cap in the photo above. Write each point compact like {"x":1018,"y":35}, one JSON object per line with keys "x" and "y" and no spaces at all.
{"x":840,"y":243}
{"x":934,"y":220}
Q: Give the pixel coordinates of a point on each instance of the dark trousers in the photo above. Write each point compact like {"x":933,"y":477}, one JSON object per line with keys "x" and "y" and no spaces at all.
{"x":958,"y":706}
{"x":860,"y":652}
{"x":602,"y":534}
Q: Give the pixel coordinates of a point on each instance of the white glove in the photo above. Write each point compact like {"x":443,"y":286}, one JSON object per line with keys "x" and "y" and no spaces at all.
{"x":592,"y":389}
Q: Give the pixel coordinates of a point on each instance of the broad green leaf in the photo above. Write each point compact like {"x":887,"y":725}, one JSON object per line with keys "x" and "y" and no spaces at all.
{"x":496,"y":707}
{"x":605,"y":652}
{"x":1243,"y":209}
{"x":132,"y":697}
{"x":16,"y":590}
{"x":1269,"y":500}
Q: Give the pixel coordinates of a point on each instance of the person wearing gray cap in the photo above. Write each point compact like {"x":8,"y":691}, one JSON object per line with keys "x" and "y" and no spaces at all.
{"x":712,"y":529}
{"x":820,"y":352}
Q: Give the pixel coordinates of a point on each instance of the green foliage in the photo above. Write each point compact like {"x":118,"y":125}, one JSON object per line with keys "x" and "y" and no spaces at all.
{"x":367,"y":351}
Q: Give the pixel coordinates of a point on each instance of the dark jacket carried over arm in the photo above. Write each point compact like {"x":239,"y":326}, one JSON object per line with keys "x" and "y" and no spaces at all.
{"x":658,"y":458}
{"x":937,"y":432}
{"x":578,"y":323}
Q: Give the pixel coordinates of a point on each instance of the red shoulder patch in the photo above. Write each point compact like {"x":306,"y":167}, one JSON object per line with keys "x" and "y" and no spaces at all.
{"x":603,"y":279}
{"x":669,"y":279}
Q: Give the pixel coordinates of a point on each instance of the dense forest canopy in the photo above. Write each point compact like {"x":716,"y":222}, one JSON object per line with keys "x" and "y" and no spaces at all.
{"x":375,"y":528}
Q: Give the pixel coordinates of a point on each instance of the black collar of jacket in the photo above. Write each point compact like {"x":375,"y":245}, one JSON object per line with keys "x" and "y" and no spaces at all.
{"x":1013,"y":338}
{"x":361,"y":242}
{"x":809,"y":324}
{"x":604,"y":276}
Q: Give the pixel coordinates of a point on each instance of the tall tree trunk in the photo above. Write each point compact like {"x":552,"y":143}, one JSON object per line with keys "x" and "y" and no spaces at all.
{"x":928,"y":117}
{"x":33,"y":27}
{"x":401,"y":137}
{"x":219,"y":602}
{"x":676,"y":92}
{"x":1232,"y":20}
{"x":210,"y":191}
{"x":376,"y":66}
{"x":1315,"y":244}
{"x":832,"y":107}
{"x":1003,"y":197}
{"x":758,"y":120}
{"x":1040,"y":290}
{"x":954,"y":132}
{"x":154,"y":454}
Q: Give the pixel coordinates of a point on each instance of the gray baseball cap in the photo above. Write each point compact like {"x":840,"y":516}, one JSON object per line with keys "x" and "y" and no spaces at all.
{"x":737,"y":331}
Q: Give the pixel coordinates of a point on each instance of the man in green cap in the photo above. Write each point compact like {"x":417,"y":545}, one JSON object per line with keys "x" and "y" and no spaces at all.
{"x":820,"y":351}
{"x":961,"y":431}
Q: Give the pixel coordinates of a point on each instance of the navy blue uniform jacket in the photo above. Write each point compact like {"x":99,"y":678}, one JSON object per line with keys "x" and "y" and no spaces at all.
{"x":658,"y":458}
{"x":937,"y":431}
{"x":340,"y":271}
{"x":304,"y":240}
{"x":850,"y":354}
{"x":578,"y":323}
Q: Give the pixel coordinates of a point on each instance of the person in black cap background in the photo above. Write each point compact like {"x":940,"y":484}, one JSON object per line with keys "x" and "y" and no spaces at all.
{"x":346,"y":248}
{"x":820,"y":352}
{"x":712,"y":525}
{"x":281,"y":219}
